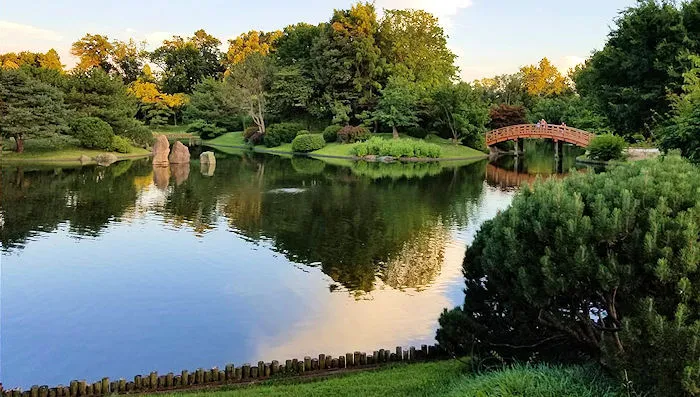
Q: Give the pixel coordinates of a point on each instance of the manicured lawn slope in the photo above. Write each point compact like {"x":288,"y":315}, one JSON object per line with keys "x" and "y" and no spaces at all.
{"x":446,"y":378}
{"x":449,"y":150}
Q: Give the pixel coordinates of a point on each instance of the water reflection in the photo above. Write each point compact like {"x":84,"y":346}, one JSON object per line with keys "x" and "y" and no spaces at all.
{"x":263,"y":257}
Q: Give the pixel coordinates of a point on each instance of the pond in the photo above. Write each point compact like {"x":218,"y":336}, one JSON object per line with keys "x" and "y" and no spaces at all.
{"x":124,"y":270}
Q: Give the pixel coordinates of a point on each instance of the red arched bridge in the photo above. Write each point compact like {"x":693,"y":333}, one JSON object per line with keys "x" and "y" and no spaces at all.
{"x":557,"y":133}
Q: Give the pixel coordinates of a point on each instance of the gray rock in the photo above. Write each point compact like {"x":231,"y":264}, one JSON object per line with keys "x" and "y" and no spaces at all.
{"x":105,"y":159}
{"x":207,"y":158}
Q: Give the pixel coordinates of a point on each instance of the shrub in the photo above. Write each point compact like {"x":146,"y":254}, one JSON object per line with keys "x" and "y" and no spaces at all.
{"x":252,"y":135}
{"x":397,"y":148}
{"x":303,"y":132}
{"x":417,"y":132}
{"x":308,"y":143}
{"x":272,"y":140}
{"x":285,"y":131}
{"x":205,"y":130}
{"x":93,"y":133}
{"x":135,"y":131}
{"x":330,"y":134}
{"x":121,"y":144}
{"x":350,"y":134}
{"x":597,"y":265}
{"x":606,"y":147}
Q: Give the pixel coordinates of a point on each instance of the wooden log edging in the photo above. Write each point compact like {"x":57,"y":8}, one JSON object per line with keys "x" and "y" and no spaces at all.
{"x":231,"y":374}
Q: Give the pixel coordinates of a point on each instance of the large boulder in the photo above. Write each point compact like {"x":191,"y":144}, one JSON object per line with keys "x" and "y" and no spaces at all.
{"x":161,"y":149}
{"x":180,"y":154}
{"x":105,"y":159}
{"x":207,"y":158}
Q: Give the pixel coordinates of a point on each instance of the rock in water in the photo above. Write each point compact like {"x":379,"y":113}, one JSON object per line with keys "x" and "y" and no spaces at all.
{"x":105,"y":159}
{"x":180,"y":154}
{"x":207,"y":158}
{"x":161,"y":149}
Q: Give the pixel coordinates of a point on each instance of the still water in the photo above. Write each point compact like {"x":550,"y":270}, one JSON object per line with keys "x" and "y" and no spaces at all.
{"x":123,"y":270}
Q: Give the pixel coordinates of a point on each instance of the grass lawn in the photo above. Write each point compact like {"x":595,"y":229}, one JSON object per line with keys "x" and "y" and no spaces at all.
{"x":70,"y":154}
{"x":445,"y":378}
{"x":449,"y":150}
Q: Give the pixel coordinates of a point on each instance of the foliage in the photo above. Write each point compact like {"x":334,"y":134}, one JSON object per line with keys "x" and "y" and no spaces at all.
{"x":330,"y":134}
{"x":595,"y":264}
{"x":284,"y":132}
{"x":156,"y":107}
{"x":272,"y":140}
{"x":506,"y":115}
{"x":606,"y":147}
{"x":346,"y":61}
{"x":188,"y":61}
{"x":397,"y":148}
{"x":397,"y":105}
{"x":573,"y":110}
{"x":92,"y":132}
{"x":29,"y":108}
{"x":120,"y":144}
{"x":308,"y":143}
{"x":506,"y":89}
{"x":543,"y":79}
{"x":682,"y":130}
{"x":350,"y":134}
{"x":205,"y":130}
{"x":124,"y":59}
{"x":248,"y":84}
{"x":642,"y":60}
{"x":291,"y":92}
{"x":458,"y":109}
{"x":49,"y":60}
{"x":414,"y":46}
{"x":303,"y":132}
{"x":212,"y":101}
{"x":248,"y":43}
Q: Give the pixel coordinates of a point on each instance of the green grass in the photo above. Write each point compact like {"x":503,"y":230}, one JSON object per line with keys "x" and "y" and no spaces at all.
{"x":449,"y":150}
{"x":446,"y":378}
{"x":170,"y":129}
{"x":69,"y":154}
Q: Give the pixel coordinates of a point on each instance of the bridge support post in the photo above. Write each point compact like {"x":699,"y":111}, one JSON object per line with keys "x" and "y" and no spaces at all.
{"x":517,"y":147}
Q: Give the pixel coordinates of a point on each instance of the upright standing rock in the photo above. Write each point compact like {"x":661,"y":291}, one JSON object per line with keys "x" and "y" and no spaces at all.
{"x":207,"y":158}
{"x":161,"y":150}
{"x":180,"y":154}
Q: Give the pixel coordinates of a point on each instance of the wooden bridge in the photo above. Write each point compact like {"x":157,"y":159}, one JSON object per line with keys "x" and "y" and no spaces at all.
{"x":557,"y":133}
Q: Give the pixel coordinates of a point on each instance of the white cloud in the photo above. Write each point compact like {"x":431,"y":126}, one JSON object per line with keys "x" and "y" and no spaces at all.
{"x":19,"y":32}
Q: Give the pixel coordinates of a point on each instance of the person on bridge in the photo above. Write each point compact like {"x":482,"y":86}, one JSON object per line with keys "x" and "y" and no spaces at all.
{"x":563,"y":124}
{"x":544,"y":122}
{"x":539,"y":124}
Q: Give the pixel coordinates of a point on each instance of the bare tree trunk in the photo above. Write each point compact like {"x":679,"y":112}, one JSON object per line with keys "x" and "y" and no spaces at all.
{"x":19,"y":140}
{"x":395,"y":132}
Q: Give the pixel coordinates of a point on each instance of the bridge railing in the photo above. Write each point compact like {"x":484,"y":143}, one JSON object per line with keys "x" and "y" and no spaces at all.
{"x":549,"y":131}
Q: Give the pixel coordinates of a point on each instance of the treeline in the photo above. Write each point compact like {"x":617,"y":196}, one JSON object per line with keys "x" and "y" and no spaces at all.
{"x":388,"y":74}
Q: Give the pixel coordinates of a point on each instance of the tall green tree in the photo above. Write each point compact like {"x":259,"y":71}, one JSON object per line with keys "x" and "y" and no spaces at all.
{"x":348,"y":65}
{"x":397,"y":106}
{"x":415,"y":45}
{"x":94,"y":93}
{"x":29,"y":108}
{"x":458,"y":109}
{"x":642,"y":60}
{"x":213,"y":102}
{"x":185,"y":62}
{"x":248,"y":87}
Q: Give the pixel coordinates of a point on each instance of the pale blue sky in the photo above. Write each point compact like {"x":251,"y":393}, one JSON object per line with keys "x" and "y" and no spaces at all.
{"x":490,"y":37}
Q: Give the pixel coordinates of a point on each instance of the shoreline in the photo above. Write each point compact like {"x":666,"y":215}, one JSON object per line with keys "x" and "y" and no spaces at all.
{"x":353,"y":158}
{"x":68,"y":160}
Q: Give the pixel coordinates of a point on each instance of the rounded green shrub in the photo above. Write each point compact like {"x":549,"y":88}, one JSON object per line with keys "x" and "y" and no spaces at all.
{"x":308,"y":143}
{"x":330,"y":134}
{"x":92,"y":132}
{"x":350,"y":134}
{"x":205,"y":130}
{"x":121,"y":144}
{"x":606,"y":147}
{"x":272,"y":140}
{"x":303,"y":132}
{"x":286,"y":132}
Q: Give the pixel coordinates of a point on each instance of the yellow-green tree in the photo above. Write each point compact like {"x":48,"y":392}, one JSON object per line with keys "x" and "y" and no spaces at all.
{"x":252,"y":42}
{"x":93,"y":51}
{"x":544,"y":79}
{"x":49,"y":60}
